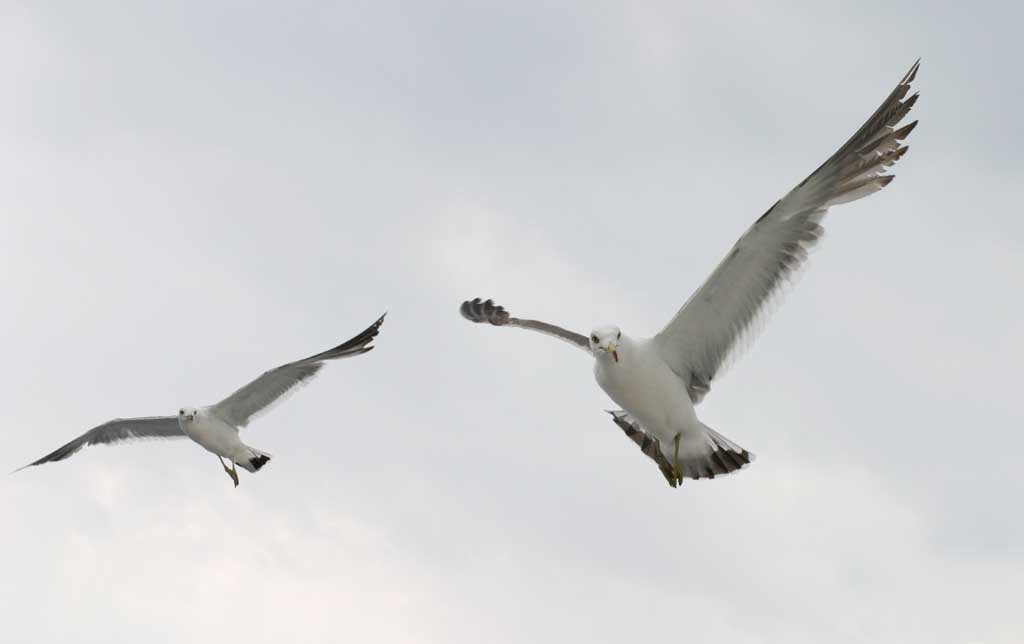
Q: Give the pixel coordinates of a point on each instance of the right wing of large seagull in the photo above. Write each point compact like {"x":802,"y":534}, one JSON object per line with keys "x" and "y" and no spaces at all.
{"x":116,"y":431}
{"x":487,"y":311}
{"x":257,"y":396}
{"x":705,"y":332}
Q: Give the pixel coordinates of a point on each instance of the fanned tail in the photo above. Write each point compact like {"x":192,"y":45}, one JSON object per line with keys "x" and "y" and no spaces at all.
{"x":721,"y":457}
{"x":256,"y":461}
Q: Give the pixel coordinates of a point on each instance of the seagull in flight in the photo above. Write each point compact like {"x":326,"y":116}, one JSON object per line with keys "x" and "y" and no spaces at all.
{"x":216,"y":427}
{"x":657,"y":381}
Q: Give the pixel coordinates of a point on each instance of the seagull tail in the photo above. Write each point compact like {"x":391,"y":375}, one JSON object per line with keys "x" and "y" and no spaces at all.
{"x":705,"y":457}
{"x":256,"y":461}
{"x":722,"y":457}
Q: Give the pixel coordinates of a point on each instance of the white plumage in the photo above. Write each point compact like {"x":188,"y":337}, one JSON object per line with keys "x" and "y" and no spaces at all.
{"x":216,"y":427}
{"x":658,"y":380}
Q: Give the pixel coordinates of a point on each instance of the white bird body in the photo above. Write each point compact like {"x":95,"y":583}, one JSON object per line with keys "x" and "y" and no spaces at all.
{"x":216,"y":427}
{"x":645,"y":386}
{"x":659,"y":380}
{"x":218,"y":436}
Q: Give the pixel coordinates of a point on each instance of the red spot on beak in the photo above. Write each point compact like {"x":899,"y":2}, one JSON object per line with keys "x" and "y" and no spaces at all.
{"x":615,"y":354}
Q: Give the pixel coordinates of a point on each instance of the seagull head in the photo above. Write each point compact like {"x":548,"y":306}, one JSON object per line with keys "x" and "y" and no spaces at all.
{"x":606,"y":341}
{"x":187,"y":414}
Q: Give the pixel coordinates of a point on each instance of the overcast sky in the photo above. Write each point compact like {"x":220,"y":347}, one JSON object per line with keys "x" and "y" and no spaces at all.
{"x":194,"y":193}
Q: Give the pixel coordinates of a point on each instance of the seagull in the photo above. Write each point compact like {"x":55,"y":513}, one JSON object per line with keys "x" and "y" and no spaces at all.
{"x":216,"y":428}
{"x":658,"y":381}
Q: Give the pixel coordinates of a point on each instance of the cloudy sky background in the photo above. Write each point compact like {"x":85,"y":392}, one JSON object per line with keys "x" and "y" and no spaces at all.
{"x":195,"y":193}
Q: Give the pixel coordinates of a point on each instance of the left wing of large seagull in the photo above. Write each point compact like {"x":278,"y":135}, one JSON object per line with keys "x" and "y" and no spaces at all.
{"x":705,"y":332}
{"x":481,"y":311}
{"x":116,"y":431}
{"x":260,"y":394}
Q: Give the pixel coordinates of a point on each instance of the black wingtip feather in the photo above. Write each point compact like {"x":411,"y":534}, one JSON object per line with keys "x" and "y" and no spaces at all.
{"x":905,"y":131}
{"x":358,"y":343}
{"x":912,"y":74}
{"x":61,"y":453}
{"x":480,"y":311}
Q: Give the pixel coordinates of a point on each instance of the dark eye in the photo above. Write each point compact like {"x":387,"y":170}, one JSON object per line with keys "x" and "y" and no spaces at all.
{"x":619,"y":336}
{"x":593,"y":339}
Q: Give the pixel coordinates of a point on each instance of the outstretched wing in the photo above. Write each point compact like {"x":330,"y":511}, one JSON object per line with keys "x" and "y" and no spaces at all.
{"x":705,"y":332}
{"x":257,"y":396}
{"x":116,"y":431}
{"x":487,"y":311}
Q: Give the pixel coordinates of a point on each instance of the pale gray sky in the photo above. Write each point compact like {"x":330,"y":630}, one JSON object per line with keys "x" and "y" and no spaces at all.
{"x":195,"y":193}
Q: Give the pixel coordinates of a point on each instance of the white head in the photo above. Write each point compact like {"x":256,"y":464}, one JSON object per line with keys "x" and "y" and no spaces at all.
{"x":606,"y":341}
{"x":187,"y":414}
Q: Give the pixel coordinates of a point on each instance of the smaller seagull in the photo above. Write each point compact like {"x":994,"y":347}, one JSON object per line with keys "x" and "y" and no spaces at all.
{"x":659,"y":380}
{"x":216,"y":427}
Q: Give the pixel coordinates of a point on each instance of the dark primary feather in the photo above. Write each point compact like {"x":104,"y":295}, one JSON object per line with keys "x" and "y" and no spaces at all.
{"x":115,"y":431}
{"x":477,"y":310}
{"x":239,"y":408}
{"x":486,"y":311}
{"x":707,"y":330}
{"x":352,"y":347}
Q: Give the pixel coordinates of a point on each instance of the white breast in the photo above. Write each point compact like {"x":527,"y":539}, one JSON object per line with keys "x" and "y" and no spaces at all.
{"x":216,"y":436}
{"x":648,"y":389}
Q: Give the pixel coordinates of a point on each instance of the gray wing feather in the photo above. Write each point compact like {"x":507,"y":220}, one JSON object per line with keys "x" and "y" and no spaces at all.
{"x":271,"y":387}
{"x":706,"y":332}
{"x":486,"y":311}
{"x":116,"y":431}
{"x":241,"y":406}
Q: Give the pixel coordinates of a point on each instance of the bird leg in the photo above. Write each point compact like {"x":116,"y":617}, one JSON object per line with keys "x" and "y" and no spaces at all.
{"x":675,"y":462}
{"x":232,"y":472}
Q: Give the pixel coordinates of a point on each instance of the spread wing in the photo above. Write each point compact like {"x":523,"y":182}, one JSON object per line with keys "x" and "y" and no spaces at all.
{"x":487,"y":311}
{"x":705,"y":332}
{"x":117,"y":431}
{"x":257,"y":396}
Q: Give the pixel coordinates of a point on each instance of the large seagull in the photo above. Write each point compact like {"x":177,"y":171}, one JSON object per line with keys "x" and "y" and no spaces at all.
{"x":658,"y":381}
{"x":216,"y":427}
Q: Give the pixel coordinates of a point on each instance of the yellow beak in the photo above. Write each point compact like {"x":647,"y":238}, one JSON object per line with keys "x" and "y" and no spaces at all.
{"x":613,"y":349}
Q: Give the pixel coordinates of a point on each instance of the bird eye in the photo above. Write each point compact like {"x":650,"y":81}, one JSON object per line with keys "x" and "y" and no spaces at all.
{"x":593,"y":338}
{"x":619,"y":336}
